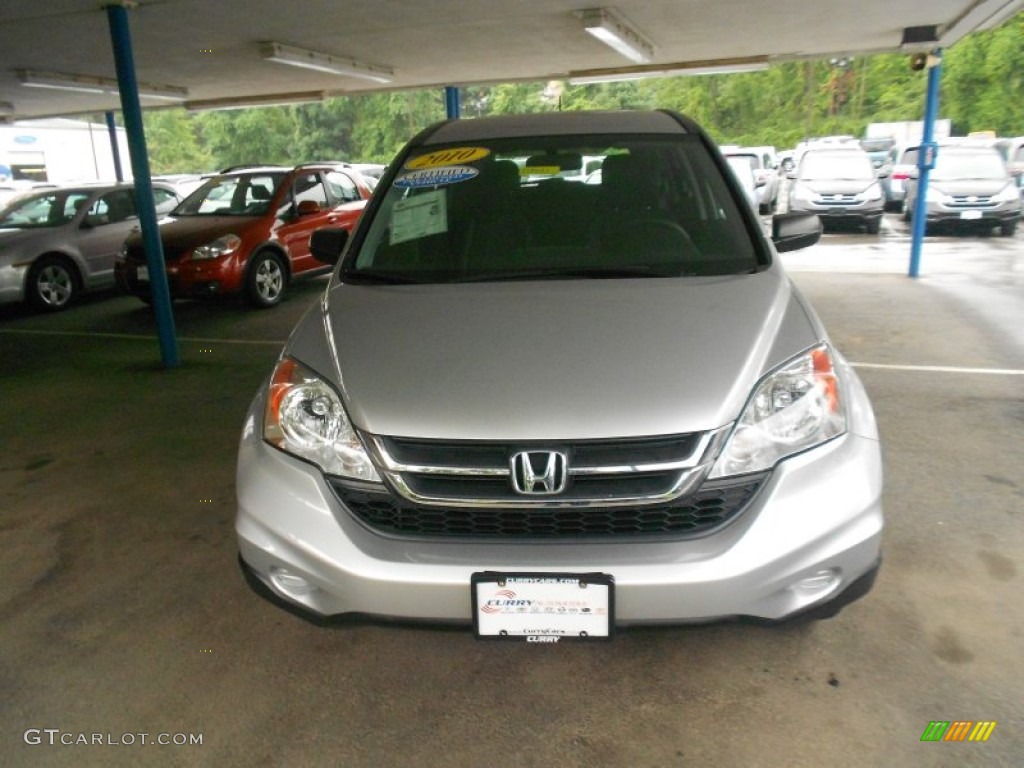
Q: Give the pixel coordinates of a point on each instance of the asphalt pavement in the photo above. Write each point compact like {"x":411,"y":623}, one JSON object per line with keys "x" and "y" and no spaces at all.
{"x":124,"y":620}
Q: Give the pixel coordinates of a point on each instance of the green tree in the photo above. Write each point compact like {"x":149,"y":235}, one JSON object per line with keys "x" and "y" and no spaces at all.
{"x":173,"y":143}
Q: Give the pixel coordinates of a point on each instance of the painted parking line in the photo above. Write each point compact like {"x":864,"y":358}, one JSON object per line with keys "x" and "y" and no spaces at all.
{"x":268,"y":342}
{"x":137,"y":337}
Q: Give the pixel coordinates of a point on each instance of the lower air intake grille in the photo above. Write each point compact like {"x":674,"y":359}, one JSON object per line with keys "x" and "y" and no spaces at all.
{"x":715,"y":504}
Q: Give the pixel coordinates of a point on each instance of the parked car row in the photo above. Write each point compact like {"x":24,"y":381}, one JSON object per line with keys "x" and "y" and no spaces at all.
{"x":971,"y":185}
{"x":245,"y":231}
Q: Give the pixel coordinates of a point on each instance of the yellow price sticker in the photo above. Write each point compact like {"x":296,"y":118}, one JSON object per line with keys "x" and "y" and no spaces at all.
{"x":540,"y":170}
{"x":443,"y":157}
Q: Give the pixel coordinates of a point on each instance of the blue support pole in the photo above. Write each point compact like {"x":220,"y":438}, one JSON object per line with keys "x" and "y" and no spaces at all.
{"x":115,"y":150}
{"x":925,"y":161}
{"x":451,"y":102}
{"x":120,"y":38}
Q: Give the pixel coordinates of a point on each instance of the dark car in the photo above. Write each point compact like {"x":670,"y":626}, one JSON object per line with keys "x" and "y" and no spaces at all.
{"x":246,"y":231}
{"x":970,"y":187}
{"x":840,"y":185}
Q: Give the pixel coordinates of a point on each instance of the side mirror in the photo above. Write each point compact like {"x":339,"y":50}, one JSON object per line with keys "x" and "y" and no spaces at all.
{"x":793,"y":231}
{"x":326,"y":244}
{"x":307,"y":208}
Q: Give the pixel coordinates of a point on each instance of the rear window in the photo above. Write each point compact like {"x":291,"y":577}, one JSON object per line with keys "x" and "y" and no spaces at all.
{"x":543,"y":208}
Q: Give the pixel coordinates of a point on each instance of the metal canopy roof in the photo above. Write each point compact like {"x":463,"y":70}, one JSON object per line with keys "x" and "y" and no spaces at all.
{"x":214,"y":49}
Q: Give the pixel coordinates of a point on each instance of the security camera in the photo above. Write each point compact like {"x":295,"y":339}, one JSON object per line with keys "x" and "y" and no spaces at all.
{"x":918,"y":61}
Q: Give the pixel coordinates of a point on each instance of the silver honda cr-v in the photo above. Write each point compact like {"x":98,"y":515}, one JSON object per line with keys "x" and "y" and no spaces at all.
{"x":548,"y":402}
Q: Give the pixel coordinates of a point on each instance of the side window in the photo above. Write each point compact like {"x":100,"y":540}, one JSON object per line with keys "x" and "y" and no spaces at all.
{"x":308,"y":186}
{"x":111,"y":207}
{"x":164,"y":200}
{"x":343,"y":189}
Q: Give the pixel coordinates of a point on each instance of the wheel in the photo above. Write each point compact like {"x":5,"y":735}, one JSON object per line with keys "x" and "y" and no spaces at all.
{"x":907,"y":213}
{"x":1008,"y":229}
{"x":52,"y":284}
{"x":266,"y":280}
{"x":873,"y":226}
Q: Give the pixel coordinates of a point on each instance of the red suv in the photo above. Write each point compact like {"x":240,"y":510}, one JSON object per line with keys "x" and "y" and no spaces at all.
{"x":246,"y":230}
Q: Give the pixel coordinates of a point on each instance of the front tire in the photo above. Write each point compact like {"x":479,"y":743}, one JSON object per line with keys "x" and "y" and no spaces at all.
{"x":873,"y":226}
{"x":1008,"y":229}
{"x":52,"y":284}
{"x":266,"y":280}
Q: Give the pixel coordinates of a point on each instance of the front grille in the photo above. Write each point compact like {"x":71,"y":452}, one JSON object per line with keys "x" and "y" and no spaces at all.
{"x":623,"y":471}
{"x":838,"y":199}
{"x":967,"y":202}
{"x":712,"y":506}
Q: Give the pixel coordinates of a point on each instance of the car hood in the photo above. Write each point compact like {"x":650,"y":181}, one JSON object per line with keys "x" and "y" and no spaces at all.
{"x":553,"y":360}
{"x":184,"y":232}
{"x":839,"y":187}
{"x":980,"y":187}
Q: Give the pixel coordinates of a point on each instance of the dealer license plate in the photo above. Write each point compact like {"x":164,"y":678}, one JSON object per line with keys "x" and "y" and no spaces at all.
{"x":970,"y":215}
{"x":543,"y":607}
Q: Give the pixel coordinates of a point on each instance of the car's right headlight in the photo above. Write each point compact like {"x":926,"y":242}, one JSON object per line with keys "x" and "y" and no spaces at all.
{"x":796,"y":407}
{"x":304,"y":416}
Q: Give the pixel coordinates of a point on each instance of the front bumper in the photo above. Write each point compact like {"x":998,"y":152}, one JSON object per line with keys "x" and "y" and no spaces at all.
{"x":813,"y":531}
{"x":12,"y":283}
{"x":1002,"y":214}
{"x":185,"y":279}
{"x":860,"y":212}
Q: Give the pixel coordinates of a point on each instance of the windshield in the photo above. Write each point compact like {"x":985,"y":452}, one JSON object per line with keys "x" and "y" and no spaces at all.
{"x":51,"y":209}
{"x":836,"y":166}
{"x":950,"y":165}
{"x":235,"y":195}
{"x":558,"y":207}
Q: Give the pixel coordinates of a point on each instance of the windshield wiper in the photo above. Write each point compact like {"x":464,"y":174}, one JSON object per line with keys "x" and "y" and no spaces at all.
{"x":572,"y":272}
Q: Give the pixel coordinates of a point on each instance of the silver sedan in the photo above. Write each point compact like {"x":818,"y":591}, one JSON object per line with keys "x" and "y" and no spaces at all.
{"x":57,"y":243}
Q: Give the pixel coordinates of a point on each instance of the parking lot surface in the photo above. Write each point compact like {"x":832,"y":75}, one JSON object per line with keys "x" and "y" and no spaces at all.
{"x":123,"y":612}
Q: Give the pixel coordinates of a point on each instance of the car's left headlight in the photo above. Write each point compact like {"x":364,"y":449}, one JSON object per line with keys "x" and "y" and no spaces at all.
{"x":1008,"y":194}
{"x":220,"y":247}
{"x":304,"y":416}
{"x":796,"y":407}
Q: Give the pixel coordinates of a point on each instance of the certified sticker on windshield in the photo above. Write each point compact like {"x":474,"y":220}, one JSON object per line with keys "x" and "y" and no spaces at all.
{"x":419,"y":216}
{"x":435,"y":177}
{"x":543,"y":607}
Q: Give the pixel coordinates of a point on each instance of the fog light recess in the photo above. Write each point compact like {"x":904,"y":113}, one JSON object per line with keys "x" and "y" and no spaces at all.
{"x":290,"y":583}
{"x":818,"y":584}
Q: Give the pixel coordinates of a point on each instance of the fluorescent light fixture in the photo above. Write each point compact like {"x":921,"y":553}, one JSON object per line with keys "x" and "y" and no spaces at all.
{"x":614,"y":31}
{"x":711,"y":69}
{"x":91,"y":84}
{"x":245,"y":102}
{"x":322,"y":62}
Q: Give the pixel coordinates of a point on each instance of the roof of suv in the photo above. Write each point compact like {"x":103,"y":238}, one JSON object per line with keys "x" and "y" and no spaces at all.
{"x":557,"y":124}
